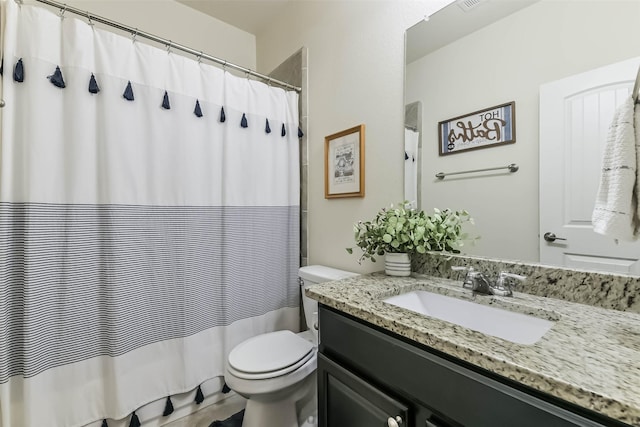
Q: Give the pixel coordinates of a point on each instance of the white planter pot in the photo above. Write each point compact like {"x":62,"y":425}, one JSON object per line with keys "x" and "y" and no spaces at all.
{"x":397,"y":264}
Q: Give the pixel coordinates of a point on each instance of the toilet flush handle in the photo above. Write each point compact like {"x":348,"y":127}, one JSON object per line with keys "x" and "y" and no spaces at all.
{"x":314,"y":318}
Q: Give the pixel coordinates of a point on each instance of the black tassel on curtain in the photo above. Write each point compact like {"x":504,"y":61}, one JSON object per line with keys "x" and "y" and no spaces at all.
{"x":168,"y":407}
{"x":18,"y":71}
{"x":165,"y":101}
{"x":56,"y":78}
{"x":197,"y":111}
{"x":135,"y":422}
{"x":128,"y":92}
{"x":199,"y":396}
{"x":93,"y":85}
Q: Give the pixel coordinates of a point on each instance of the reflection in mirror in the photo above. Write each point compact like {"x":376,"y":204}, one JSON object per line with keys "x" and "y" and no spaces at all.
{"x":461,"y":61}
{"x":412,"y":144}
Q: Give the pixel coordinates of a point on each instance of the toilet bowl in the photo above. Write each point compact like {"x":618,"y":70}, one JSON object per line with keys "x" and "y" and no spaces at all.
{"x":274,"y":371}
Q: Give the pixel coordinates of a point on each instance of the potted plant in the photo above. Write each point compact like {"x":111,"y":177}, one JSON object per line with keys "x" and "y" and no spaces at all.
{"x":401,"y":231}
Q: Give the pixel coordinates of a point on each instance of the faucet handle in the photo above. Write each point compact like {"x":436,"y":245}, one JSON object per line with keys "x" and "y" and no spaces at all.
{"x":467,"y":282}
{"x":504,"y":274}
{"x":506,"y":286}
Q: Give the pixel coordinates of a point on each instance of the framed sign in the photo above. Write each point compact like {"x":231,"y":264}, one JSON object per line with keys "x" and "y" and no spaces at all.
{"x":344,"y":163}
{"x":481,"y":129}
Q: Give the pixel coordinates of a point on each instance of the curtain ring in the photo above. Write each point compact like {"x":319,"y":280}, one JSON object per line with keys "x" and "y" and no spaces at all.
{"x":62,"y":11}
{"x":200,"y":57}
{"x":90,"y":22}
{"x":224,"y":66}
{"x":269,"y":82}
{"x":169,"y":46}
{"x":134,"y":35}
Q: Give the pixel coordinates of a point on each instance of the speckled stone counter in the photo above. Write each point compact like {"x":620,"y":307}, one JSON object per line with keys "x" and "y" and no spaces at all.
{"x":606,"y":290}
{"x":590,"y":357}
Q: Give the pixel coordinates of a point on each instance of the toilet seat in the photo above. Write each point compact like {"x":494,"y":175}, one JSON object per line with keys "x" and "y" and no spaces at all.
{"x":269,"y":355}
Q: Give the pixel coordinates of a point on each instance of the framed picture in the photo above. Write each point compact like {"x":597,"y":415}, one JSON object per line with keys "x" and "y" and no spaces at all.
{"x":481,"y":129}
{"x":344,"y":163}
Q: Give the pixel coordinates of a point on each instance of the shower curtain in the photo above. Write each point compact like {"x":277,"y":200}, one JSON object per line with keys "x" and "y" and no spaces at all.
{"x":411,"y":163}
{"x":149,"y":220}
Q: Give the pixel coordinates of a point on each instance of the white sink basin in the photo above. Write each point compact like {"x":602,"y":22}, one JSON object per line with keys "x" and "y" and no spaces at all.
{"x":511,"y":326}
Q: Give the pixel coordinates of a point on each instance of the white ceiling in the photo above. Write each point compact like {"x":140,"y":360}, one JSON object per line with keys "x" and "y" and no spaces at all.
{"x":248,"y":15}
{"x":444,"y":26}
{"x":452,"y":23}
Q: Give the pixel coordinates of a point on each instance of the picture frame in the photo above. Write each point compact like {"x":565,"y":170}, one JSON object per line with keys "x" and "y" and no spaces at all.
{"x":344,"y":163}
{"x":485,"y":128}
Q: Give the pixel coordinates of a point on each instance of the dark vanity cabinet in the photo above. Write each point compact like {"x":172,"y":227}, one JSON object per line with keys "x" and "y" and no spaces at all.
{"x":368,"y":377}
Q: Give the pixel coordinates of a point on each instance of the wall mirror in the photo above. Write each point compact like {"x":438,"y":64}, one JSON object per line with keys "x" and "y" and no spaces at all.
{"x":463,"y":60}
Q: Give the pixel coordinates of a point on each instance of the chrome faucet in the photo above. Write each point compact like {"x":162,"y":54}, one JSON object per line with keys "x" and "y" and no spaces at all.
{"x":478,"y":282}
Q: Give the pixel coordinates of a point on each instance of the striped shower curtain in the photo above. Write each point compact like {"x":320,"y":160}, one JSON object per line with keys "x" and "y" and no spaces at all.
{"x":149,"y":220}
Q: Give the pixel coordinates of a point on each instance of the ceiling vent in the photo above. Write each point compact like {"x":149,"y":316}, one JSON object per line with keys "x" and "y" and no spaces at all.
{"x":467,"y":5}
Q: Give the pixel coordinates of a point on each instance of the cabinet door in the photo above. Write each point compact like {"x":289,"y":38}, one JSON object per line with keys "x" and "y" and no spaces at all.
{"x":345,"y":400}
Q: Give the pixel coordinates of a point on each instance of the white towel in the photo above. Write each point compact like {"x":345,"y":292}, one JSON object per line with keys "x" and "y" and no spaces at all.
{"x":616,"y":208}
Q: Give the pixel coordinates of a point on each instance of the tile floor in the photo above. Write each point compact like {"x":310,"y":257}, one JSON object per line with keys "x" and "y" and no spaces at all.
{"x":217,"y":411}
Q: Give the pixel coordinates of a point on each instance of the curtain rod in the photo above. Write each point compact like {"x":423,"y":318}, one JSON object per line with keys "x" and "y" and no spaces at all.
{"x":170,"y":45}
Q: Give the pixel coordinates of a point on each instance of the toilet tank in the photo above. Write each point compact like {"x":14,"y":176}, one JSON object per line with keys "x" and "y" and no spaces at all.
{"x":312,"y":274}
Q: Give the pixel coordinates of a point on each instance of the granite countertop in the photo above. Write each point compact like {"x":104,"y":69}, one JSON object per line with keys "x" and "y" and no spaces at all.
{"x":590,"y":357}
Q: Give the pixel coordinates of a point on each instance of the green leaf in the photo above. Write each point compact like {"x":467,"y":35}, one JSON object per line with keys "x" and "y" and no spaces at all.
{"x":350,"y":250}
{"x":387,"y":238}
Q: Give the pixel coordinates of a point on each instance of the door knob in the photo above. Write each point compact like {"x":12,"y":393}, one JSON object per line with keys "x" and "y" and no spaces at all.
{"x":394,"y":422}
{"x":550,"y":237}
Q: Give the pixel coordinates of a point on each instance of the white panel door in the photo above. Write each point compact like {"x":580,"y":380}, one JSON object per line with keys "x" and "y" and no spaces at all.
{"x":575,"y":114}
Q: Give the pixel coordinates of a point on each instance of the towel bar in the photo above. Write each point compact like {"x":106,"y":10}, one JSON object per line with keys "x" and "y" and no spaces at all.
{"x":512,"y":168}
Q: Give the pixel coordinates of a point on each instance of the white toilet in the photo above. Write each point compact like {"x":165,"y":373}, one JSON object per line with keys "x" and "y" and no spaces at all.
{"x":274,"y":371}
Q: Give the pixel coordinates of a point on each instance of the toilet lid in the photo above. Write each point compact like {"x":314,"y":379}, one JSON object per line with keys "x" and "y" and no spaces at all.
{"x":269,"y":352}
